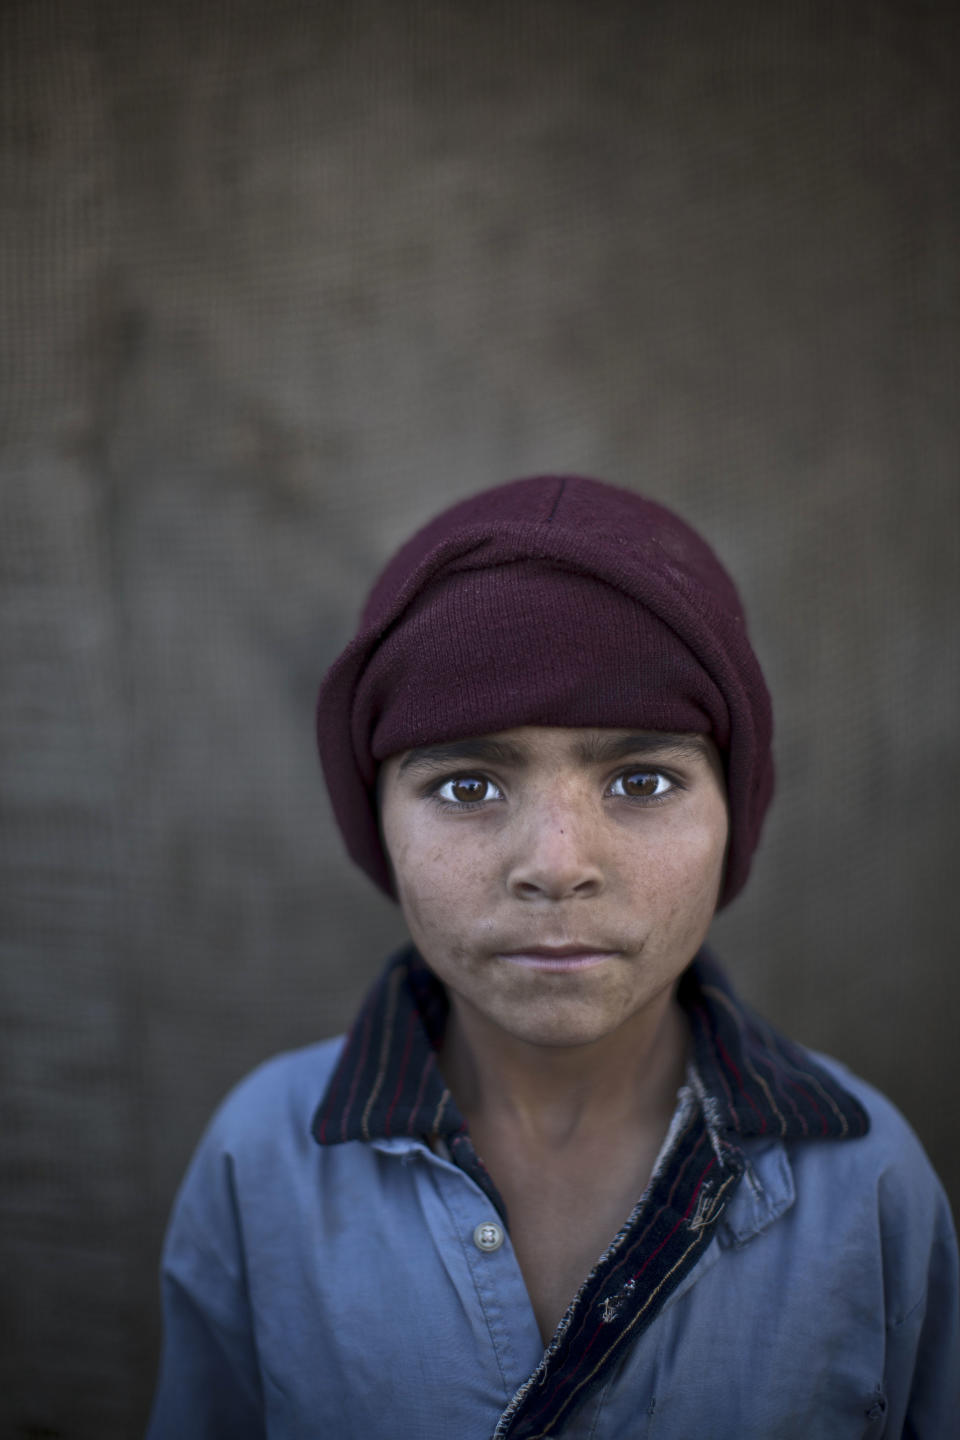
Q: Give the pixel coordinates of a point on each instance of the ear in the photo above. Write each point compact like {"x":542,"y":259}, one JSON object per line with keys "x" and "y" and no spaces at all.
{"x":378,"y":808}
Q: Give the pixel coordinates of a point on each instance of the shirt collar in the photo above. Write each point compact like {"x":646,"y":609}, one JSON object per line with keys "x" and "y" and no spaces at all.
{"x":752,"y":1081}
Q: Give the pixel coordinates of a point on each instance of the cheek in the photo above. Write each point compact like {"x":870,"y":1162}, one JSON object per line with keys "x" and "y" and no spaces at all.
{"x":700,"y":872}
{"x":700,"y":859}
{"x":437,"y":885}
{"x":682,"y":869}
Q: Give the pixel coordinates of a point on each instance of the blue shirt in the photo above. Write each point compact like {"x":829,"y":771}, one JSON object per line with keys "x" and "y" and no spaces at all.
{"x":338,"y":1264}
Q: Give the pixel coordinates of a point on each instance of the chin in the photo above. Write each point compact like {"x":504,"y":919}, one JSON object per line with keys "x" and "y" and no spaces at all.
{"x":560,"y":1032}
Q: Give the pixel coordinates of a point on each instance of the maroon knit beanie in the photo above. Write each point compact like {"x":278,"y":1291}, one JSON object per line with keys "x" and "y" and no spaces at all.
{"x":549,"y":601}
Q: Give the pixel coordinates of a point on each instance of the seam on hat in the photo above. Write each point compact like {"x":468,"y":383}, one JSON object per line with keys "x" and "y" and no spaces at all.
{"x":563,"y":486}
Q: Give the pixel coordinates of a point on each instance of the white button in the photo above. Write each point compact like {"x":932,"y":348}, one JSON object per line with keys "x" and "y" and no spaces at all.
{"x":488,"y":1236}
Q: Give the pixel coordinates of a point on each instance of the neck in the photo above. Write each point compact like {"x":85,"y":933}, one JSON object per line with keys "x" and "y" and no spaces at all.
{"x":555,"y":1094}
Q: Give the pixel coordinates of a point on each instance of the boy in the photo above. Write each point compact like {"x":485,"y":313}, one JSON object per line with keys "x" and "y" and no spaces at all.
{"x":558,"y":1180}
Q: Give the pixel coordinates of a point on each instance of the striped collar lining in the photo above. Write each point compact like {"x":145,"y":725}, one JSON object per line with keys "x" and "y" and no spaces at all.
{"x":753,"y":1081}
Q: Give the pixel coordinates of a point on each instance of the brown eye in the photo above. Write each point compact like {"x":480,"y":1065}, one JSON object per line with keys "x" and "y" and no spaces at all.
{"x":468,"y":790}
{"x":641,"y":784}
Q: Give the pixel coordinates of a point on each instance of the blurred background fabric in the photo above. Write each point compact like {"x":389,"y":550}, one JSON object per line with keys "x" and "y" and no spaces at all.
{"x":280,"y":280}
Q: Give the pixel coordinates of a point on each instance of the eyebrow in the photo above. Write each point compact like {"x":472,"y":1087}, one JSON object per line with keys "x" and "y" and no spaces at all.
{"x":598,"y":749}
{"x":484,"y":749}
{"x":601,"y":749}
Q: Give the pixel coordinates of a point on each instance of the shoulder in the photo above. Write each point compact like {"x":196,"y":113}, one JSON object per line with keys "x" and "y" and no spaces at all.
{"x":880,"y":1192}
{"x":279,"y":1097}
{"x":890,"y":1153}
{"x":258,"y":1138}
{"x":263,"y":1125}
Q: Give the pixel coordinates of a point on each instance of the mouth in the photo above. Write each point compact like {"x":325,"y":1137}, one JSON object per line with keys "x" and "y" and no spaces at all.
{"x":557,"y":958}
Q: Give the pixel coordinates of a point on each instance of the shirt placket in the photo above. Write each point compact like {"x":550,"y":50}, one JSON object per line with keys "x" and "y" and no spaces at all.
{"x":484,"y":1241}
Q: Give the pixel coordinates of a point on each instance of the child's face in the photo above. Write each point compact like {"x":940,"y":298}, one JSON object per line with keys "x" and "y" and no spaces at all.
{"x":605,"y":844}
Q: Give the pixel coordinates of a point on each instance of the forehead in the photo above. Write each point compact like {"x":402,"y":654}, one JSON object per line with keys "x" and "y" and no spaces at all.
{"x":532,"y":744}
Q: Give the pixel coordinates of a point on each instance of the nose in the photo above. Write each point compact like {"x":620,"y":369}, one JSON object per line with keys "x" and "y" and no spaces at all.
{"x":556,"y":856}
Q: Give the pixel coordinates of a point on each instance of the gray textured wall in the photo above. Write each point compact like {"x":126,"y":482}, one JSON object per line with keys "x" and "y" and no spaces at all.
{"x":278,"y":280}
